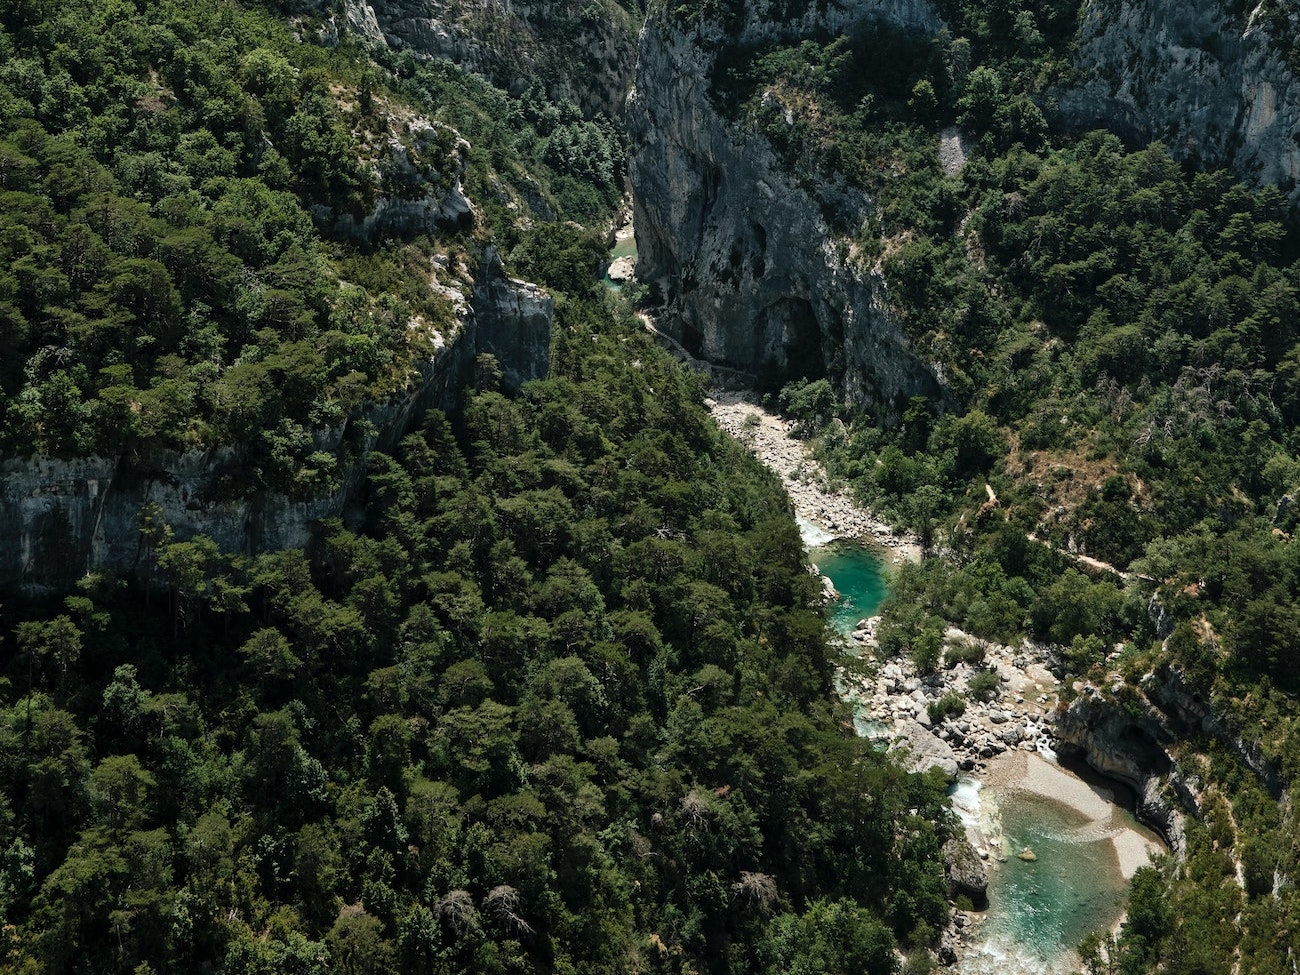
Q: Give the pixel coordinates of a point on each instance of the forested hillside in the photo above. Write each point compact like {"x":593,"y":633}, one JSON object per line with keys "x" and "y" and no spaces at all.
{"x":556,"y":697}
{"x":1117,"y":332}
{"x":561,"y":705}
{"x":187,"y":259}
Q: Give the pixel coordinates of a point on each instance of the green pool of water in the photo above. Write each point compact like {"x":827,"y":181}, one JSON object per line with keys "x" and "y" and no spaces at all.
{"x":861,"y":577}
{"x":622,"y":248}
{"x":1045,"y":908}
{"x":1039,"y":911}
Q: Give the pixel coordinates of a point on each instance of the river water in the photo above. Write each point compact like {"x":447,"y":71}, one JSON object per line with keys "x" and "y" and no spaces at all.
{"x":1084,"y":844}
{"x":624,"y":246}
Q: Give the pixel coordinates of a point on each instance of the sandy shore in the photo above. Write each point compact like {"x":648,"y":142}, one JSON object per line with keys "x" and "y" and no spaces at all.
{"x":833,"y":513}
{"x":1031,"y":772}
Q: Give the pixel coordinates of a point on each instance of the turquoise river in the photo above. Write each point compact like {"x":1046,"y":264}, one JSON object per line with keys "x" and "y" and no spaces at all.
{"x":1038,"y":911}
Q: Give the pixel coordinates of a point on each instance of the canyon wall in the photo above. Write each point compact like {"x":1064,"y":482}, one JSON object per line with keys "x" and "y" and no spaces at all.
{"x":63,"y":518}
{"x":752,"y":275}
{"x":1207,"y":79}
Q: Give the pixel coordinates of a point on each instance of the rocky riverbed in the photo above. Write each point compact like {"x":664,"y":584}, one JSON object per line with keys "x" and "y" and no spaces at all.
{"x":1018,"y":712}
{"x":816,"y":499}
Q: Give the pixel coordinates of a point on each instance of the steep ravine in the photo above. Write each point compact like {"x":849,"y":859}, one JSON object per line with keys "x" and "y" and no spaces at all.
{"x":1002,"y":748}
{"x":751,"y":275}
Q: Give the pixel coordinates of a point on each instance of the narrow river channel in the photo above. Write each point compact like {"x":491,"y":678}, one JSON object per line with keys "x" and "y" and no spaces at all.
{"x":1080,"y":844}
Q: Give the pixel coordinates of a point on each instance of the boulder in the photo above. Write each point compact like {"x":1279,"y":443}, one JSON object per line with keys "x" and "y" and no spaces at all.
{"x":965,"y":872}
{"x":920,"y":750}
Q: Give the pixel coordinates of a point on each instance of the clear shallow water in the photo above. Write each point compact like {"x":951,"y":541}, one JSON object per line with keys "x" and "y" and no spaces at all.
{"x":1039,"y":911}
{"x":1045,"y":908}
{"x":861,"y":577}
{"x":862,"y":580}
{"x":622,"y":248}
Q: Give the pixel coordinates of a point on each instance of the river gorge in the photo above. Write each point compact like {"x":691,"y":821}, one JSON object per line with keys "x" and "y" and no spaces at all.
{"x":1058,"y":842}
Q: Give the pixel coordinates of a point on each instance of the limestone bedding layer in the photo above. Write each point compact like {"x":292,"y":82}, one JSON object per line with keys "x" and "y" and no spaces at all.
{"x":63,"y":518}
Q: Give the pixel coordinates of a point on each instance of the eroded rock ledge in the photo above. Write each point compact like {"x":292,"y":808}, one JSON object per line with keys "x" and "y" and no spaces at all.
{"x":63,"y":518}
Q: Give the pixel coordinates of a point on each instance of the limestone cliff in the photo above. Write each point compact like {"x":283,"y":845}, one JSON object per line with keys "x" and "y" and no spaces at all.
{"x":1206,"y":78}
{"x":1135,"y":746}
{"x":419,"y":168}
{"x":60,"y":519}
{"x":583,"y":52}
{"x":753,"y":276}
{"x":1133,"y":736}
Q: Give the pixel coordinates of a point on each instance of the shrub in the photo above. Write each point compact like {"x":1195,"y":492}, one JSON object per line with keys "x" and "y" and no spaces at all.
{"x":983,"y":684}
{"x":949,"y":705}
{"x":964,"y":653}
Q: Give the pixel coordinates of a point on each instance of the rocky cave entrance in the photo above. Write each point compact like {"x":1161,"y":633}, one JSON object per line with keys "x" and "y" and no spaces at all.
{"x":790,"y":341}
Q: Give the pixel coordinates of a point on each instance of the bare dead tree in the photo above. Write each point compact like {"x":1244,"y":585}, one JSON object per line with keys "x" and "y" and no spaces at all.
{"x":456,"y":909}
{"x":757,"y":890}
{"x":502,"y":905}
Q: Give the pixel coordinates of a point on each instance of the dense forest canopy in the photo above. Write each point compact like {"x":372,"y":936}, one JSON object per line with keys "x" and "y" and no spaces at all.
{"x":562,"y":704}
{"x":176,"y":182}
{"x":560,"y":700}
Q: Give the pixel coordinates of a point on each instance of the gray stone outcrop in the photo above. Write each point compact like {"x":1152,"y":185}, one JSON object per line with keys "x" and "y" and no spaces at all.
{"x":412,"y":204}
{"x":1136,"y":740}
{"x":753,"y":276}
{"x":1132,"y":745}
{"x":1205,"y":78}
{"x":964,"y":871}
{"x":920,"y":751}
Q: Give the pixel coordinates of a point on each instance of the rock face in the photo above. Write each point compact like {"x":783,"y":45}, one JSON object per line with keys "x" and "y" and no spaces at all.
{"x":1133,"y":746}
{"x":921,"y":751}
{"x":1135,"y":743}
{"x":1203,"y":77}
{"x":412,"y":203}
{"x":60,"y":519}
{"x":965,"y":871}
{"x":513,"y":322}
{"x":583,"y":52}
{"x":753,"y":276}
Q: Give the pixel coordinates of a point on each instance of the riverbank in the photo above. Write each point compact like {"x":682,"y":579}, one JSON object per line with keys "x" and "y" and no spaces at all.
{"x":1000,"y":742}
{"x":1016,"y":713}
{"x":1064,"y":850}
{"x":1096,"y":804}
{"x":824,"y":507}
